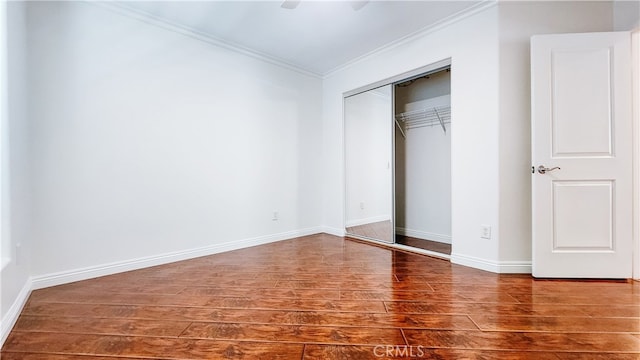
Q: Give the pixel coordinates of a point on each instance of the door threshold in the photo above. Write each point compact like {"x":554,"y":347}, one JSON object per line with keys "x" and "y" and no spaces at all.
{"x":400,"y":247}
{"x":421,"y":251}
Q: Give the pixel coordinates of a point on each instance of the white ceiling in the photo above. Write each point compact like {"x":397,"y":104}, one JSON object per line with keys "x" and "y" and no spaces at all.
{"x":317,"y":36}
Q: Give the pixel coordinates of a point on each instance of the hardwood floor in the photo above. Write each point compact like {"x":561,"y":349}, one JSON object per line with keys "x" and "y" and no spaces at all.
{"x":325,"y":297}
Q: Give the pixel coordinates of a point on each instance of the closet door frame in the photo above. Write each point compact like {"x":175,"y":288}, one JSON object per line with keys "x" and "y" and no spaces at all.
{"x":421,"y":71}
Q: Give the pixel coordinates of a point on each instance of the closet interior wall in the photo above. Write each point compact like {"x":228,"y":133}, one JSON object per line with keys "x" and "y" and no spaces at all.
{"x":423,"y":159}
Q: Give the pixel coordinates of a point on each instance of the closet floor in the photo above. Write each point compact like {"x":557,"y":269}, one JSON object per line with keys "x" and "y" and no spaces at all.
{"x":326,"y":297}
{"x":435,"y":246}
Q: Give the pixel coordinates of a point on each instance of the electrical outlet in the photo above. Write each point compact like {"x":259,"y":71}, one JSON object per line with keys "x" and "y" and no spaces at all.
{"x":275,"y":216}
{"x":485,"y":231}
{"x":361,"y":205}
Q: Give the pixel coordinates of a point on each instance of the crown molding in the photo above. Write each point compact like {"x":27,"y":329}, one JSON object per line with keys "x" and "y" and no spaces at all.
{"x":450,"y":20}
{"x":150,"y":19}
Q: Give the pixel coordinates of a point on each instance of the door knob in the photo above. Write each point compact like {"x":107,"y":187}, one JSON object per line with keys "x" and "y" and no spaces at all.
{"x":542,"y":169}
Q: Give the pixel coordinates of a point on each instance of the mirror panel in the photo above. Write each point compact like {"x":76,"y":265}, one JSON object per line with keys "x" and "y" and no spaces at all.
{"x":368,"y":141}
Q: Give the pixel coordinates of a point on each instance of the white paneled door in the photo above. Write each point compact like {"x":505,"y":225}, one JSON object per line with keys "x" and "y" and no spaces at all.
{"x":582,"y":155}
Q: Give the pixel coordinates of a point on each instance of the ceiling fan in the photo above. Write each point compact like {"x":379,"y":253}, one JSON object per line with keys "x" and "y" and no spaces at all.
{"x":292,"y":4}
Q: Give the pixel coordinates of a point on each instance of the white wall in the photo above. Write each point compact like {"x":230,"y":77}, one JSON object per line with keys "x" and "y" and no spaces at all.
{"x":635,"y":48}
{"x":518,"y":22}
{"x":16,"y":181}
{"x":472,"y":45}
{"x":5,"y":252}
{"x":149,"y":142}
{"x":423,"y":183}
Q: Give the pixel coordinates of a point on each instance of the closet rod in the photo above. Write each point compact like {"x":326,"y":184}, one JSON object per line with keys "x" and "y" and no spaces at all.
{"x":425,"y":117}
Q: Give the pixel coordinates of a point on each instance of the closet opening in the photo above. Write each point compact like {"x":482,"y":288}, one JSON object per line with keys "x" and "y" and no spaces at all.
{"x":422,"y":157}
{"x":397,"y":157}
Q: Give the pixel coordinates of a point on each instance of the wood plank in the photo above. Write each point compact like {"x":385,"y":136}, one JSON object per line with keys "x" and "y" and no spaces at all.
{"x":556,"y":323}
{"x":523,"y":341}
{"x":49,"y":356}
{"x":608,"y":298}
{"x":293,"y":333}
{"x":391,"y":294}
{"x":470,"y":308}
{"x":285,"y":317}
{"x":245,"y":303}
{"x":154,"y":347}
{"x":599,"y":356}
{"x":80,"y":325}
{"x":612,"y":310}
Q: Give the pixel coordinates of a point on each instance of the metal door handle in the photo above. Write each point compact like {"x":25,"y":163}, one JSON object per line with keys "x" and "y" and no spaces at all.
{"x":542,"y":169}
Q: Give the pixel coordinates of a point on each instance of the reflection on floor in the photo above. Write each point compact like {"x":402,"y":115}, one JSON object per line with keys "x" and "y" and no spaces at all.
{"x":381,"y":230}
{"x":435,"y":246}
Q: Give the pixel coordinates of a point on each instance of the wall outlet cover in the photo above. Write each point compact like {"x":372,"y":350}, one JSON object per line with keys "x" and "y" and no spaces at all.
{"x":485,"y":231}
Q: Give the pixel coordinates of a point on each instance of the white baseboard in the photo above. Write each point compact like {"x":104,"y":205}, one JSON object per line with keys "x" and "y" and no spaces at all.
{"x":65,"y":277}
{"x":333,"y":231}
{"x":369,"y":220}
{"x":424,"y":235}
{"x":10,"y":318}
{"x":499,"y":267}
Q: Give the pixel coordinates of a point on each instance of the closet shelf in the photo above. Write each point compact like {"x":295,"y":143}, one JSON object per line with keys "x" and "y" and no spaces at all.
{"x":437,"y":115}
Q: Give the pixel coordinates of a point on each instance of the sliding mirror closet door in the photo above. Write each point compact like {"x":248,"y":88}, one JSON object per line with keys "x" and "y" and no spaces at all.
{"x":368,"y":168}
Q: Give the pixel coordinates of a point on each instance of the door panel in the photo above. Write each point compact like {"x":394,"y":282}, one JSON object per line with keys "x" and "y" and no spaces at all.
{"x":583,"y":215}
{"x":581,"y":123}
{"x":571,"y":89}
